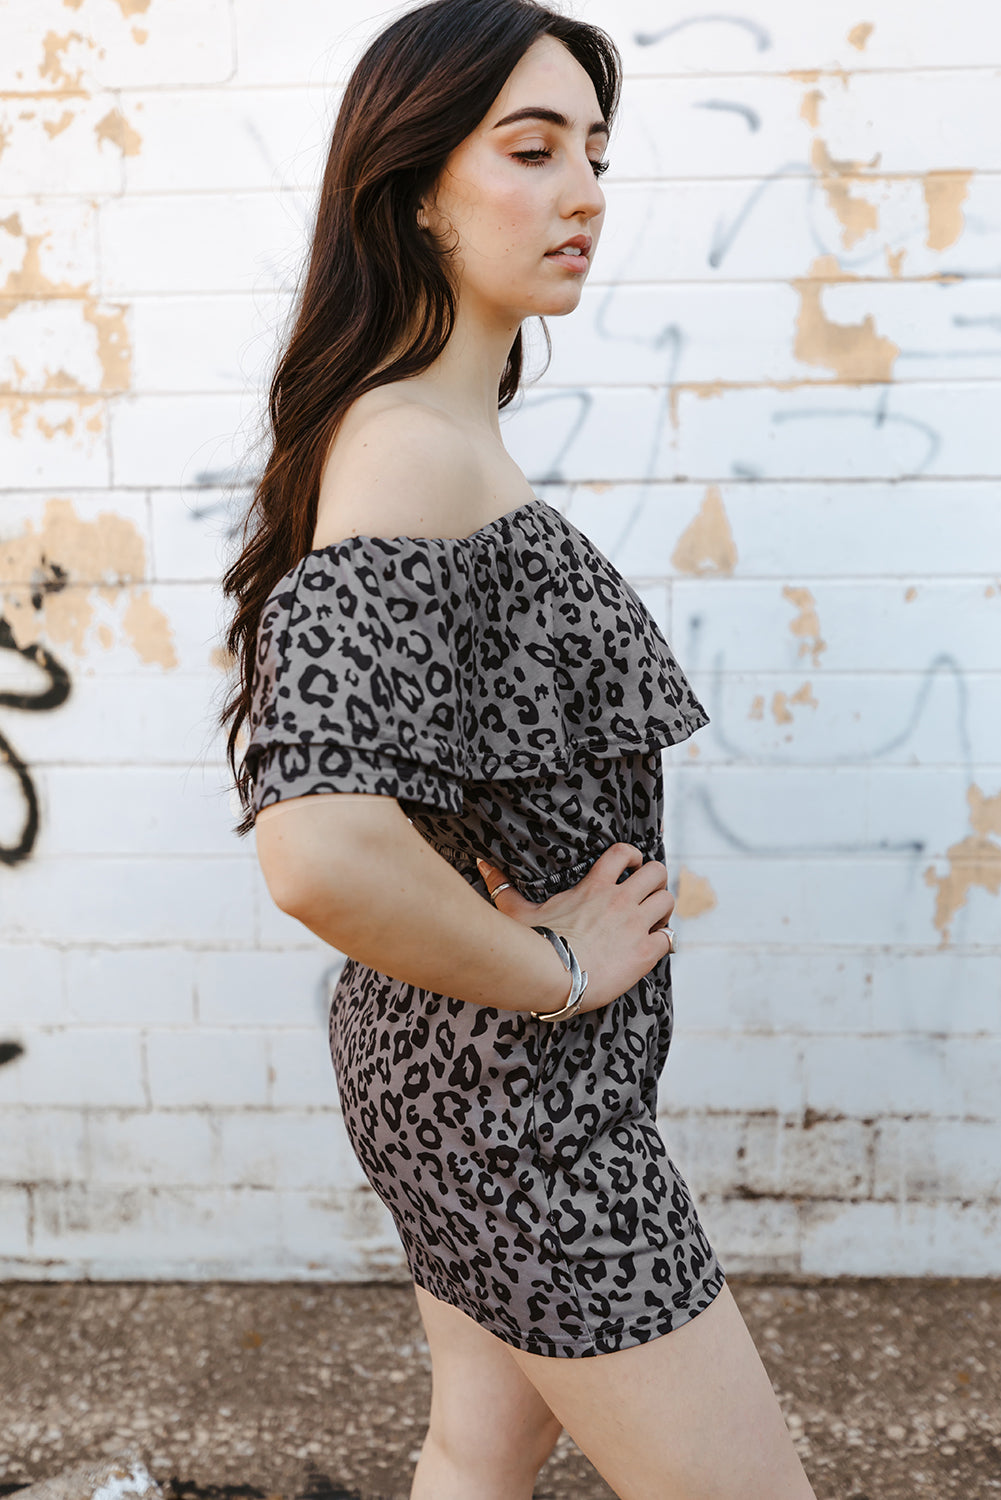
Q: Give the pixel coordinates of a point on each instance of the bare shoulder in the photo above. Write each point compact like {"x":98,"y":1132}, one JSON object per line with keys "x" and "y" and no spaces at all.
{"x":397,"y":467}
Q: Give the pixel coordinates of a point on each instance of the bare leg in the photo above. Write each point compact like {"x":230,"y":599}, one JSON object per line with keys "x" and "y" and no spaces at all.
{"x":689,"y":1416}
{"x":490,"y":1431}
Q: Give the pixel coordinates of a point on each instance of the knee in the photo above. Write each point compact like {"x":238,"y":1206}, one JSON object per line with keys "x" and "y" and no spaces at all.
{"x":515,"y":1448}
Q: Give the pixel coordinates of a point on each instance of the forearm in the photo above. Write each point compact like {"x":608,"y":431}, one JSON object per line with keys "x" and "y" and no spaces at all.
{"x":383,"y":896}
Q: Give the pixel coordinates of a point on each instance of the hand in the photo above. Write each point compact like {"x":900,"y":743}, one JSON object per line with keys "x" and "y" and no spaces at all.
{"x":617,"y":929}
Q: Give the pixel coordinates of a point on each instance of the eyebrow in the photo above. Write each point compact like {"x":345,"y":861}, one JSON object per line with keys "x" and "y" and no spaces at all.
{"x":539,"y":112}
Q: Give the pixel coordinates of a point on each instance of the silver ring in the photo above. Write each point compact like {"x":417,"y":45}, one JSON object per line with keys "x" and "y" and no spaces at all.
{"x":504,"y":886}
{"x":668,"y":933}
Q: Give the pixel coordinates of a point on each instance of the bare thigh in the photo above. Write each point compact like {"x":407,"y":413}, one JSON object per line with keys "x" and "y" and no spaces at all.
{"x":689,"y":1416}
{"x":490,"y":1430}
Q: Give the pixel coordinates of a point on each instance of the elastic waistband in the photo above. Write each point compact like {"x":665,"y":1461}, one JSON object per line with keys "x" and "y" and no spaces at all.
{"x":541,"y":887}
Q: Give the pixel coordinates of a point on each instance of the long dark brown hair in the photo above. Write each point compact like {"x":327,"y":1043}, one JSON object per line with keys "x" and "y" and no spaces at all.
{"x":419,"y":89}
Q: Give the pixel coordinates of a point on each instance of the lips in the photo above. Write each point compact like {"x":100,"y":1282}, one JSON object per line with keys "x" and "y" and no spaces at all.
{"x":581,"y":242}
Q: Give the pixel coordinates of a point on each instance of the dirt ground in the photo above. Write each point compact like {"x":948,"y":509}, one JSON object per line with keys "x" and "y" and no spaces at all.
{"x":892,"y":1389}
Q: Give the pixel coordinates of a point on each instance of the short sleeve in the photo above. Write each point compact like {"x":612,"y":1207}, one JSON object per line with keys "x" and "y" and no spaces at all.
{"x":284,"y":771}
{"x":354,"y":686}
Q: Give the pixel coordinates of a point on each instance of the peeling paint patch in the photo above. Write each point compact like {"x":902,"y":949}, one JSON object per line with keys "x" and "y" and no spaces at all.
{"x":854,"y":352}
{"x":52,"y":66}
{"x":28,"y":279}
{"x":132,"y":7}
{"x":222,"y":658}
{"x":809,"y":110}
{"x":806,"y":625}
{"x":895,"y":262}
{"x":28,"y":282}
{"x":52,"y":429}
{"x":139,"y":35}
{"x":114,"y":127}
{"x":694,"y":895}
{"x":53,"y":128}
{"x":857,"y":216}
{"x":114,"y":348}
{"x":51,"y":578}
{"x":985,"y":812}
{"x":757,"y":708}
{"x":781,"y":701}
{"x":147,"y":631}
{"x":706,"y":545}
{"x":910,"y":594}
{"x":945,"y":194}
{"x":973,"y":861}
{"x":19,"y":408}
{"x":860,"y":34}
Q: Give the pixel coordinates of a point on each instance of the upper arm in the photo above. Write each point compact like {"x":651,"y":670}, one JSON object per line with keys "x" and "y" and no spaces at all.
{"x":397,"y":470}
{"x":306,"y":845}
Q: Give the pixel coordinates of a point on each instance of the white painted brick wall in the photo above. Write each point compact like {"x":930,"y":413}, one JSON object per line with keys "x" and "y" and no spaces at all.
{"x":776,"y":411}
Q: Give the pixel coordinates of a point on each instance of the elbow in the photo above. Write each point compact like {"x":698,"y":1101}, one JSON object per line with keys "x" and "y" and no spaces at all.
{"x":285,"y":891}
{"x":291,"y":883}
{"x":288,"y":894}
{"x":315,"y":893}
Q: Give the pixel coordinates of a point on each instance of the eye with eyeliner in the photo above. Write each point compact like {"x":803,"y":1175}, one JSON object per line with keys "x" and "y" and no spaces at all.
{"x":536,"y":157}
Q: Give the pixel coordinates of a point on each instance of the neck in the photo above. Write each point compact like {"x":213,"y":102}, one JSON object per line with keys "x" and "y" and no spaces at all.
{"x":466,"y":376}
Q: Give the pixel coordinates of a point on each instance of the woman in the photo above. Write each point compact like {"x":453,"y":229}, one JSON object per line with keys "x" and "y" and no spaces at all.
{"x":452,"y":695}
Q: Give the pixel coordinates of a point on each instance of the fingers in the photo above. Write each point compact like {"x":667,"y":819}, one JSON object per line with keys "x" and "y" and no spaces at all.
{"x":646,"y":877}
{"x":661,"y":940}
{"x":660,"y":901}
{"x":493,"y":879}
{"x":608,"y":867}
{"x":501,"y":890}
{"x":656,"y":910}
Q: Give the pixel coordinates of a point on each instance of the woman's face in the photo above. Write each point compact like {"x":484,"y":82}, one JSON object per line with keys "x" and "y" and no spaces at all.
{"x":514,"y":192}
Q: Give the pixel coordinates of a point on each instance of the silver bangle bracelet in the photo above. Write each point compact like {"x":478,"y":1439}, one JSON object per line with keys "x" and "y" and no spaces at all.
{"x":578,"y":980}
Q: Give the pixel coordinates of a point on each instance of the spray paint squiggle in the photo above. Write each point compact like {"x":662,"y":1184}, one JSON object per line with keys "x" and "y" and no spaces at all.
{"x":55,"y":693}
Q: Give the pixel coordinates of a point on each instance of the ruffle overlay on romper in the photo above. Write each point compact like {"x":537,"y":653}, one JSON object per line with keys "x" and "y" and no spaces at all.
{"x":462,"y":659}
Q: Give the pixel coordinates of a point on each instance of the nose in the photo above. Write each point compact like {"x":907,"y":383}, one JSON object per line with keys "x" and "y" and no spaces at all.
{"x":584,"y":197}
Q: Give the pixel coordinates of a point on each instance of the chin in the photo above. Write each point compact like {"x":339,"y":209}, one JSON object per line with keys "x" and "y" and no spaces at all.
{"x":553,"y":300}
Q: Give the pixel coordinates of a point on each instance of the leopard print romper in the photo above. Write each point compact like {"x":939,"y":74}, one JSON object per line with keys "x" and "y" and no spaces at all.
{"x":512,"y":692}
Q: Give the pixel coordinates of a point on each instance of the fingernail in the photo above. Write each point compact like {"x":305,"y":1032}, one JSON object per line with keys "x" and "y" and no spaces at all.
{"x":482,"y":865}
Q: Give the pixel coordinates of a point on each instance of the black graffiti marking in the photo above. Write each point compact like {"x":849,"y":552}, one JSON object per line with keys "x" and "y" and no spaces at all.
{"x":10,"y":1052}
{"x":55,"y":580}
{"x":217,"y":508}
{"x":762,"y":39}
{"x":749,"y":115}
{"x":724,"y":235}
{"x":948,"y":354}
{"x":959,"y":320}
{"x":56,"y":691}
{"x":941,"y":665}
{"x":963,"y":320}
{"x":880,"y":418}
{"x":781,"y":851}
{"x":583,"y":401}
